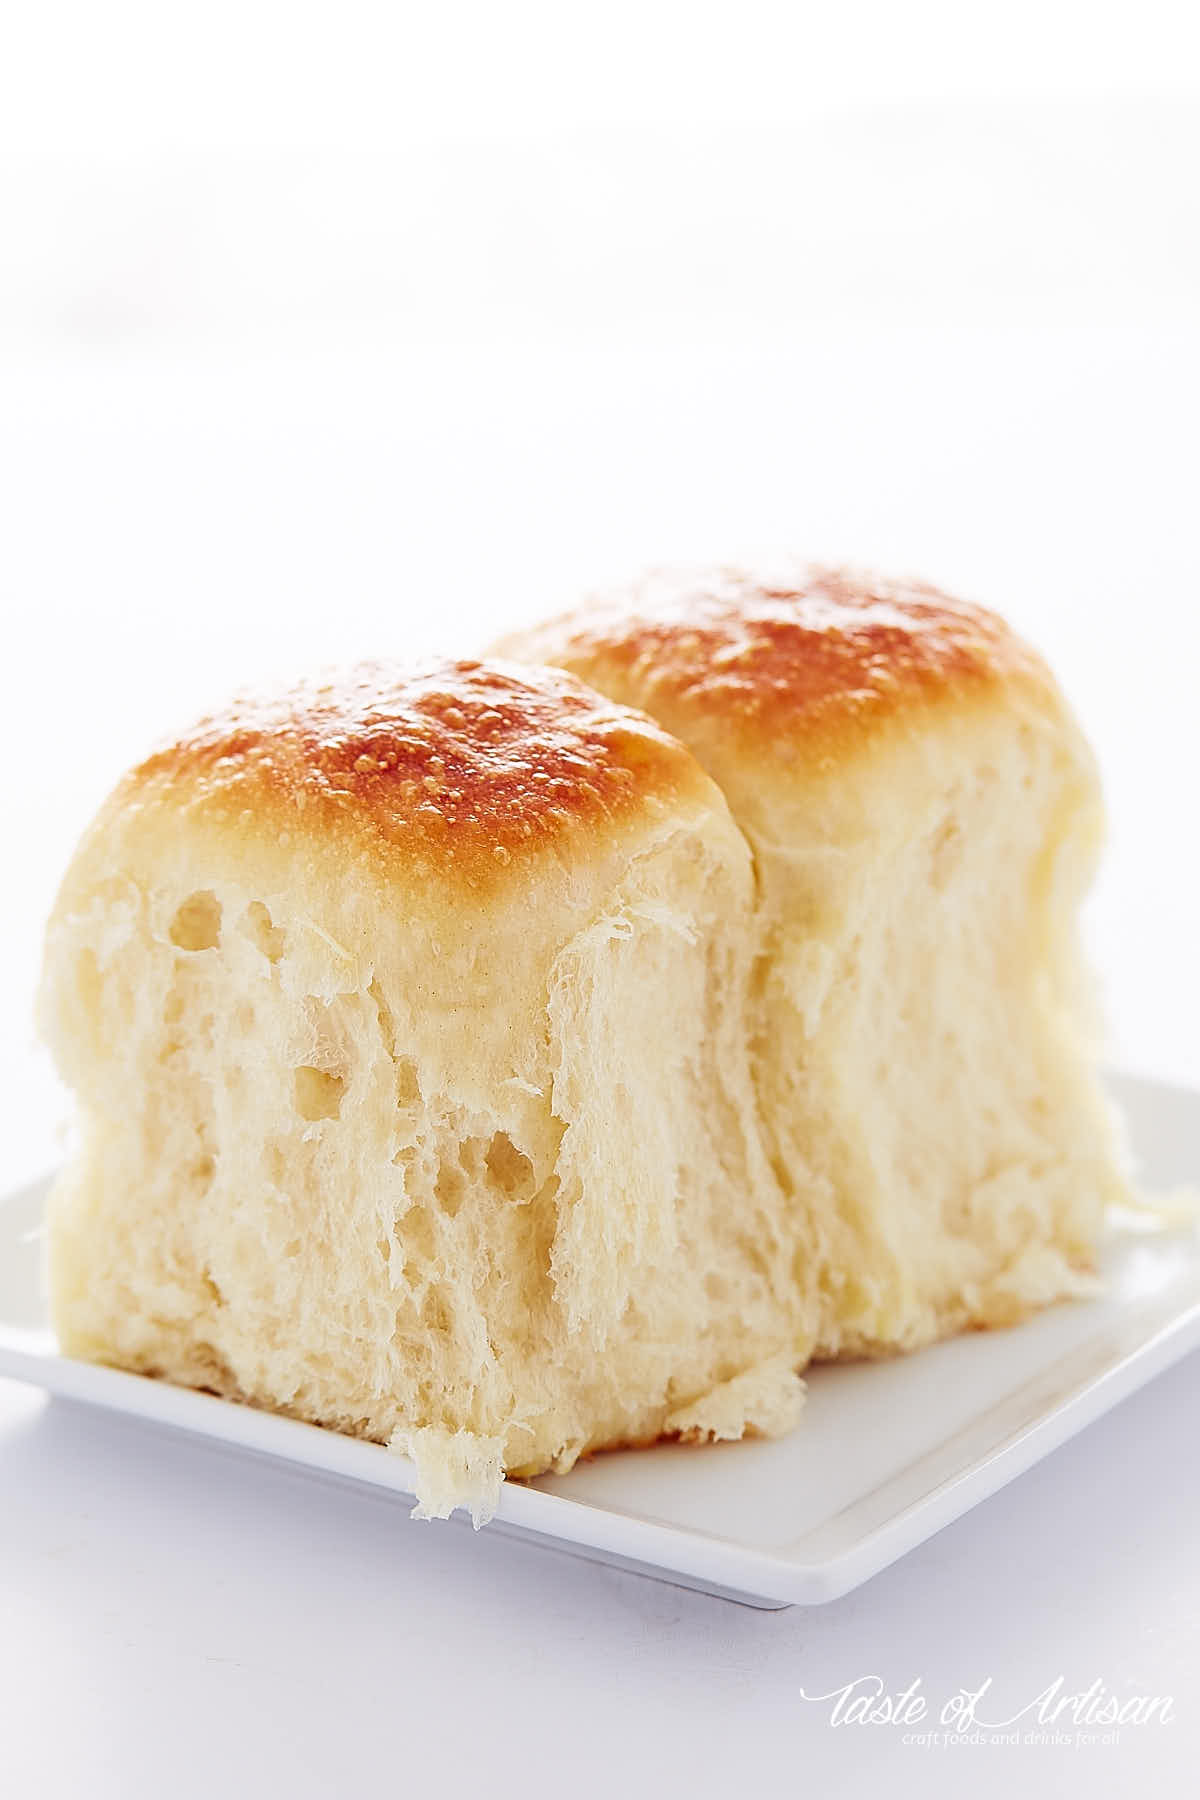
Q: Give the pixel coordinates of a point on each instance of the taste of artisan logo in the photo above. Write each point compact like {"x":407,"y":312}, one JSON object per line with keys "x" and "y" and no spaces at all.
{"x":1058,"y":1715}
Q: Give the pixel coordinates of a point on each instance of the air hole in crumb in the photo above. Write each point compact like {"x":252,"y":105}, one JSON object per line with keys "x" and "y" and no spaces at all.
{"x":435,"y":1314}
{"x":408,"y":1088}
{"x":260,"y":928}
{"x":212,"y":1289}
{"x":450,"y":1188}
{"x":415,"y":1233}
{"x":197,"y":924}
{"x":717,"y":1289}
{"x":318,"y":1094}
{"x":509,"y":1168}
{"x":387,"y":1025}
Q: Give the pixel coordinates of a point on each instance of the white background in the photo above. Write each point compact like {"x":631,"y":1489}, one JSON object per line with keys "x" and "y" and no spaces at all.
{"x":372,"y":329}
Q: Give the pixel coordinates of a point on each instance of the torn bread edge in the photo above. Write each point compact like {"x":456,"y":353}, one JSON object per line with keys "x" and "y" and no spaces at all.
{"x":464,"y":1468}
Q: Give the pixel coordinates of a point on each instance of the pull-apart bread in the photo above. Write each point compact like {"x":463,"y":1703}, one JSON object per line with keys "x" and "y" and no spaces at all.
{"x":472,"y":1063}
{"x":407,"y":1019}
{"x":924,"y":817}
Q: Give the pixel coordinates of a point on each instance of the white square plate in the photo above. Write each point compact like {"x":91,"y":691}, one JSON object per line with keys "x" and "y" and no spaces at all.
{"x":885,"y":1455}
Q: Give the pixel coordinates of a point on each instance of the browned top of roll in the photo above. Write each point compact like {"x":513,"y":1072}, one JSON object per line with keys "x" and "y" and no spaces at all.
{"x":463,"y":763}
{"x":827,"y":653}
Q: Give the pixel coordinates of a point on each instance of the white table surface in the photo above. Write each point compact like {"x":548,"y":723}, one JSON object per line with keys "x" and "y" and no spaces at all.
{"x":209,"y":476}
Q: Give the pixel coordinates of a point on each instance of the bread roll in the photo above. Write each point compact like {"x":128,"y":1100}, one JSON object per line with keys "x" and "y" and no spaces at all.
{"x":406,"y":1013}
{"x":924,"y":817}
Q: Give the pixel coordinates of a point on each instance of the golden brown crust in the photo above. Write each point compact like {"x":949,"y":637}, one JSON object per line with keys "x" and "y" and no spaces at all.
{"x":453,"y":762}
{"x":815,"y":650}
